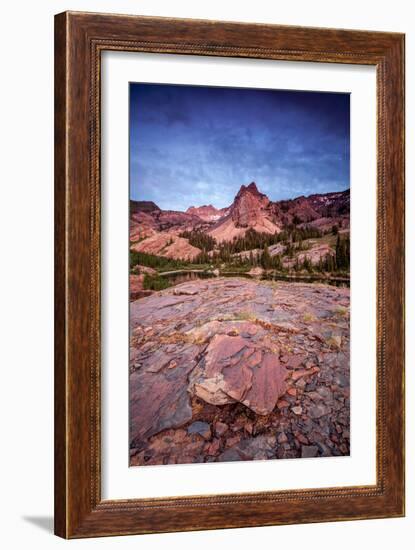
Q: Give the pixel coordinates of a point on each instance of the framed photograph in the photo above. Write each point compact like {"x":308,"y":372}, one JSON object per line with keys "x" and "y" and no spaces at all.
{"x":229,"y":275}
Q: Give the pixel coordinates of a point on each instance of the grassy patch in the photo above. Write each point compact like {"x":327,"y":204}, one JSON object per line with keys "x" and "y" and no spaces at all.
{"x":245,"y":315}
{"x":334,"y":341}
{"x":308,"y":317}
{"x":328,"y":239}
{"x":185,"y":267}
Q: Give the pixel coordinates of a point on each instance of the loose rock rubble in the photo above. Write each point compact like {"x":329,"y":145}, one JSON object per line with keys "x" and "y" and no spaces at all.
{"x":236,"y":369}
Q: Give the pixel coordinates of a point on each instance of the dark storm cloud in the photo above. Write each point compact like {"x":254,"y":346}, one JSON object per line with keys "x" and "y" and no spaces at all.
{"x":194,"y":145}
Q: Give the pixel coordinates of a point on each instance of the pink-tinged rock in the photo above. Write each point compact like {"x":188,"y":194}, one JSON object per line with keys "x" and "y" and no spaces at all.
{"x":317,"y":411}
{"x":236,"y":369}
{"x":170,"y":332}
{"x":255,"y":271}
{"x":208,"y":379}
{"x":221,"y":428}
{"x":213,"y":448}
{"x":250,"y":209}
{"x":249,"y":427}
{"x":159,"y":308}
{"x":238,"y":378}
{"x":282,"y":438}
{"x":301,"y":384}
{"x":233,"y":440}
{"x":158,"y":401}
{"x":187,"y":290}
{"x":231,"y":328}
{"x":294,"y":361}
{"x":247,"y":209}
{"x":211,"y":391}
{"x":134,"y":354}
{"x":208,"y":212}
{"x":159,"y":360}
{"x":136,"y":283}
{"x":296,"y":375}
{"x":314,"y":254}
{"x":268,"y":384}
{"x":136,"y":287}
{"x":168,"y":245}
{"x":301,"y":438}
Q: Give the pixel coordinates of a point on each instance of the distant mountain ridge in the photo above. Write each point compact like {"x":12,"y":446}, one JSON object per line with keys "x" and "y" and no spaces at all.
{"x":249,"y":201}
{"x":250,"y":209}
{"x":208,"y":212}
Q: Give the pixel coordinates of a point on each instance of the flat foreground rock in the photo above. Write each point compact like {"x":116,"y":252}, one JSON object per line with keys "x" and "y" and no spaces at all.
{"x":267,"y":361}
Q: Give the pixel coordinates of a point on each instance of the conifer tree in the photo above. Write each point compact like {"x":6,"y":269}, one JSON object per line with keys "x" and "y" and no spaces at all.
{"x":266,"y":260}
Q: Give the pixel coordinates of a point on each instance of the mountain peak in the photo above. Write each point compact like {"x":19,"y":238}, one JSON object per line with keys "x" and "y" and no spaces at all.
{"x":248,"y":206}
{"x":207,"y":212}
{"x":251,"y":188}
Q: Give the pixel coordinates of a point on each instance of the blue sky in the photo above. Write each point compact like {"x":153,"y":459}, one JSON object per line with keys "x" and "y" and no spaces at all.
{"x":194,"y":145}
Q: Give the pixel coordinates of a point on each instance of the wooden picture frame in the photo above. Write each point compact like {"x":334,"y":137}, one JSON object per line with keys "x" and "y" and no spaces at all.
{"x":79,"y":40}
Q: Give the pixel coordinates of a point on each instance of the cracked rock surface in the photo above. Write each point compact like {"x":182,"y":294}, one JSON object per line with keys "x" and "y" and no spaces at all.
{"x":237,"y":369}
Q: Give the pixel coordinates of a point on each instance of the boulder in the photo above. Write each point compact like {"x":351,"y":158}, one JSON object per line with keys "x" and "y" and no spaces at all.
{"x":187,"y":289}
{"x":235,"y":369}
{"x":221,"y":428}
{"x":201,"y":428}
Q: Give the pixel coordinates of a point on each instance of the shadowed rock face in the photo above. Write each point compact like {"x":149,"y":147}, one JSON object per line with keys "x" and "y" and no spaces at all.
{"x":143,"y":206}
{"x":258,"y":369}
{"x":159,"y":398}
{"x":248,"y":207}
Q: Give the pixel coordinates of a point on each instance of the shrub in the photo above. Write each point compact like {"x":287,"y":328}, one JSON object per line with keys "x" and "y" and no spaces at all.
{"x":155,"y":282}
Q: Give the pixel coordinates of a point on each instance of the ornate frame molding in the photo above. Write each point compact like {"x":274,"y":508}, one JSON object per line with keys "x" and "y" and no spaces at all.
{"x":79,"y":40}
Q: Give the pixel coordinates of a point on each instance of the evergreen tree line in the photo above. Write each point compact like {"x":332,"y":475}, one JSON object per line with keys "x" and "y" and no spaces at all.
{"x":199,"y":239}
{"x":340,"y":261}
{"x":343,"y":253}
{"x":291,"y":238}
{"x":255,"y":239}
{"x":251,"y":240}
{"x":151,"y":260}
{"x":224,"y":254}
